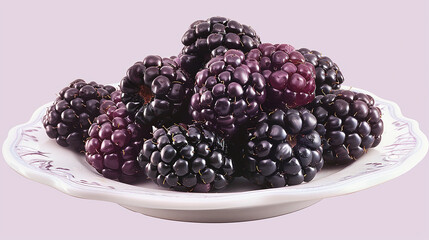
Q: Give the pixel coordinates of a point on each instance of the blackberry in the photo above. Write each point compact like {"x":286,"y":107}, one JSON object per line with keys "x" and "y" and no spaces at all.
{"x":67,"y":120}
{"x":186,"y":157}
{"x":213,"y":37}
{"x":155,"y":90}
{"x":115,"y":142}
{"x":282,"y":149}
{"x":227,"y":93}
{"x":328,"y":74}
{"x":349,"y":124}
{"x":290,"y":80}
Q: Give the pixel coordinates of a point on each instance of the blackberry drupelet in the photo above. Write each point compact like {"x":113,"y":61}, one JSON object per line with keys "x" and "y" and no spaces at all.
{"x":115,"y":142}
{"x":155,"y":91}
{"x":213,"y":37}
{"x":328,"y":74}
{"x":187,"y":157}
{"x":349,"y":124}
{"x":227,"y":93}
{"x":69,"y":118}
{"x":282,"y":148}
{"x":290,"y":80}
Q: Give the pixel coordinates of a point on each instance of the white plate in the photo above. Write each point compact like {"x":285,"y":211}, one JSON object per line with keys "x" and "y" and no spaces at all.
{"x":31,"y":153}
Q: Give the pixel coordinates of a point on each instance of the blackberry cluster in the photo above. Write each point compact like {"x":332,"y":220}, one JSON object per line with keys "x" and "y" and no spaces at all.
{"x":328,"y":74}
{"x":115,"y":140}
{"x":349,"y":124}
{"x":282,"y":149}
{"x":186,"y":157}
{"x":213,"y":37}
{"x":227,"y":93}
{"x":290,"y":80}
{"x":70,"y":116}
{"x":155,"y":91}
{"x":227,"y":106}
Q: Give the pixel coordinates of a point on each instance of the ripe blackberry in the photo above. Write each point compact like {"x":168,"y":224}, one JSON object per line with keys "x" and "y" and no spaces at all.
{"x":186,"y":157}
{"x":349,"y":124}
{"x":290,"y":80}
{"x":328,"y":74}
{"x":282,"y":149}
{"x":74,"y":110}
{"x":213,"y":37}
{"x":154,"y":90}
{"x":227,"y":93}
{"x":115,"y":142}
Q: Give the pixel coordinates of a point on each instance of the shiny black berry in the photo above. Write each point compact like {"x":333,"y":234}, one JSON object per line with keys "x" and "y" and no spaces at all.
{"x":227,"y":93}
{"x":187,"y":157}
{"x":349,"y":124}
{"x":213,"y":37}
{"x":155,"y":91}
{"x":282,"y":148}
{"x":69,"y":118}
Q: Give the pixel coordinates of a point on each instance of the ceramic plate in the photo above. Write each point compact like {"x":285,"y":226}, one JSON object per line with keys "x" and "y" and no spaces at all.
{"x":31,"y":153}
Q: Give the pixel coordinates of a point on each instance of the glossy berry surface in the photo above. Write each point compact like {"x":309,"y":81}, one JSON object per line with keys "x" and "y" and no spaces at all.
{"x":155,"y":90}
{"x":213,"y":37}
{"x":282,"y":148}
{"x":328,"y":74}
{"x":290,"y":79}
{"x":227,"y":93}
{"x":349,"y":124}
{"x":68,"y":119}
{"x":115,"y":141}
{"x":187,"y":158}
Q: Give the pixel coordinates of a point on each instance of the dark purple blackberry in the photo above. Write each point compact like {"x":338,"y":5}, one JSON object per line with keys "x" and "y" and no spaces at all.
{"x":115,"y":142}
{"x":213,"y":37}
{"x":186,"y":157}
{"x":69,"y":118}
{"x":282,"y":149}
{"x":328,"y":74}
{"x":227,"y":93}
{"x":155,"y":91}
{"x":290,"y":80}
{"x":349,"y":124}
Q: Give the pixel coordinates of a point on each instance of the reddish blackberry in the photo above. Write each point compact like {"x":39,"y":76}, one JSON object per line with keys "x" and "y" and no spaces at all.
{"x":74,"y":110}
{"x":282,"y":149}
{"x":154,"y":90}
{"x":213,"y":37}
{"x":115,"y":142}
{"x":186,"y":157}
{"x":290,"y":80}
{"x":227,"y":93}
{"x":328,"y":74}
{"x":349,"y":124}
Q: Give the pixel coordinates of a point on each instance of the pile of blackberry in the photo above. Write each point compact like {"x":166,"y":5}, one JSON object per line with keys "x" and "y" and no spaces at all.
{"x":227,"y":106}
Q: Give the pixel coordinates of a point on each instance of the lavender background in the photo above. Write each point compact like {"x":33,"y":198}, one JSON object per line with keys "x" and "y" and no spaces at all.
{"x":381,"y":46}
